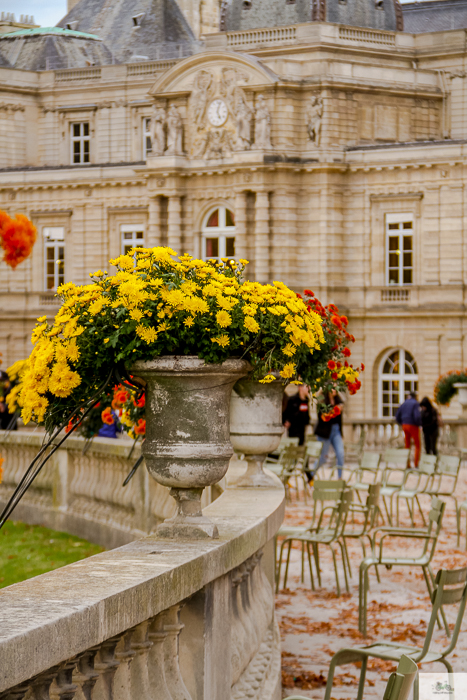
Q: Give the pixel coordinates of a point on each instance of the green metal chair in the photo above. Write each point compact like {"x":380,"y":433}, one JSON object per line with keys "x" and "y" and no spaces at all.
{"x":323,"y":492}
{"x":421,"y":479}
{"x":428,"y":536}
{"x":399,"y":683}
{"x":329,"y":536}
{"x":395,"y":465}
{"x":367,"y":472}
{"x":368,"y":513}
{"x":393,"y":651}
{"x":462,"y":508}
{"x":313,"y":452}
{"x":445,"y":479}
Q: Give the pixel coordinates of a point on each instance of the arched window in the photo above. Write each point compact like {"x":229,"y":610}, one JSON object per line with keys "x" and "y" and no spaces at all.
{"x":398,"y":376}
{"x":218,"y":234}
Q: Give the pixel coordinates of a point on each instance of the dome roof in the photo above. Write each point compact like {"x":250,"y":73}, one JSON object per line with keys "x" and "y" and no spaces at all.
{"x":135,"y":29}
{"x":255,"y":14}
{"x":52,"y":48}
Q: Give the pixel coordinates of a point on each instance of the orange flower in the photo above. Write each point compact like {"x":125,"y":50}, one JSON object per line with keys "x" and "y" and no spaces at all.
{"x":17,"y":237}
{"x":107,"y":417}
{"x":140,"y":427}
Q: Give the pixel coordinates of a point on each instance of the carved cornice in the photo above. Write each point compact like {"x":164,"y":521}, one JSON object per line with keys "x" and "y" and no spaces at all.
{"x":10,"y":107}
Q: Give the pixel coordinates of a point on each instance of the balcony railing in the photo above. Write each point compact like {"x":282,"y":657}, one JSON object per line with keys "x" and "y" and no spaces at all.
{"x":395,"y":294}
{"x":258,"y":37}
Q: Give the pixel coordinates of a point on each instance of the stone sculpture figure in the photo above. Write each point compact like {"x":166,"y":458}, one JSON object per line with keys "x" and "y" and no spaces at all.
{"x":315,"y":117}
{"x":243,"y":119}
{"x":262,"y":124}
{"x":174,"y":133}
{"x":215,"y":148}
{"x":158,"y":131}
{"x":201,"y":94}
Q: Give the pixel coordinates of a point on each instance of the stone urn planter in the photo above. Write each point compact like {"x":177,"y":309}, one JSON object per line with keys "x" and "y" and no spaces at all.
{"x":462,"y":394}
{"x":256,"y":427}
{"x":187,"y":445}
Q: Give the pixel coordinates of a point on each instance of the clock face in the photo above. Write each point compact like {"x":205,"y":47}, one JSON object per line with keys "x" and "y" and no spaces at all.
{"x":218,"y":112}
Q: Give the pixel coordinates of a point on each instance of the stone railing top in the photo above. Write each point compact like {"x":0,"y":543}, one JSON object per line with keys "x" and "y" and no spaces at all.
{"x":109,"y":446}
{"x":54,"y":617}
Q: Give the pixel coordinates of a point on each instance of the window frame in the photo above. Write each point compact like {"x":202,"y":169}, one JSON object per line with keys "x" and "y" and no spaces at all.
{"x":222,"y":232}
{"x":400,"y":220}
{"x":54,"y":243}
{"x":131,"y":228}
{"x":82,"y":139}
{"x":146,"y":134}
{"x":401,"y":377}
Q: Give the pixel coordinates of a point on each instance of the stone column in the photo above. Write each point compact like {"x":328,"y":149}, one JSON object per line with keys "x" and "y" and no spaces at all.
{"x":241,"y":240}
{"x":154,"y":236}
{"x":262,"y":237}
{"x":174,"y":238}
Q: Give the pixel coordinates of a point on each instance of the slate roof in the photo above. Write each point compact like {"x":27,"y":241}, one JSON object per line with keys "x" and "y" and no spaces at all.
{"x":135,"y":29}
{"x":434,"y":16}
{"x":254,"y":14}
{"x":49,"y":49}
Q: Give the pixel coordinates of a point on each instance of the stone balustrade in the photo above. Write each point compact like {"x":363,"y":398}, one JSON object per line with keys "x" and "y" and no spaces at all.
{"x":153,"y":619}
{"x":80,"y":489}
{"x":380,"y":433}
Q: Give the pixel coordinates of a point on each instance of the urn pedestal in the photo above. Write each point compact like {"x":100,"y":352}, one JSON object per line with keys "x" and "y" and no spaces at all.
{"x":256,"y":427}
{"x":187,"y":445}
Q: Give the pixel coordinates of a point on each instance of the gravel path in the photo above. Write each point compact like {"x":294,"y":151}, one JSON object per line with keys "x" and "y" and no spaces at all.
{"x":314,"y":625}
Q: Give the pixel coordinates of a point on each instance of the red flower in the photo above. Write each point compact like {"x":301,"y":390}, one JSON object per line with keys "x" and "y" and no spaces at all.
{"x":336,"y":321}
{"x":345,"y":320}
{"x":346,"y":352}
{"x":309,"y":293}
{"x":107,"y":417}
{"x":140,"y":427}
{"x":141,"y":401}
{"x":334,"y":376}
{"x":362,"y":367}
{"x":299,"y":295}
{"x":339,"y":365}
{"x":337,"y":410}
{"x":331,"y":364}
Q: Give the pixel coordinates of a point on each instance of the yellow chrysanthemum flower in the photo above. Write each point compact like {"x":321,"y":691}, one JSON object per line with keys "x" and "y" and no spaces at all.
{"x":288,"y":371}
{"x":267,"y":379}
{"x":251,"y":324}
{"x":223,"y":319}
{"x":222,"y":340}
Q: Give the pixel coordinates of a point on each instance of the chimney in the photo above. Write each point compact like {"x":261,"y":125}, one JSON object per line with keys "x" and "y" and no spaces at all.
{"x":71,"y":4}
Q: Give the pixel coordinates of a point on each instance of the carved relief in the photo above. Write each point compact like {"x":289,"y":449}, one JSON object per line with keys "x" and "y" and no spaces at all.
{"x":262,"y":125}
{"x":314,"y":119}
{"x":203,"y":90}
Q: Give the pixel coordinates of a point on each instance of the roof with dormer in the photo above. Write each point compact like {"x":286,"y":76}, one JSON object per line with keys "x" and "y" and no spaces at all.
{"x":135,"y":30}
{"x":255,"y":14}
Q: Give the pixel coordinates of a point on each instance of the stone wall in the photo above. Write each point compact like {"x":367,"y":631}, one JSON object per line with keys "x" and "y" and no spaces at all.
{"x":154,"y":619}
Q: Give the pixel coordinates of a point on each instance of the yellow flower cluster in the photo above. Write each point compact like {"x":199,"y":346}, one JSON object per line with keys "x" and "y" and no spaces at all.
{"x":157,"y":304}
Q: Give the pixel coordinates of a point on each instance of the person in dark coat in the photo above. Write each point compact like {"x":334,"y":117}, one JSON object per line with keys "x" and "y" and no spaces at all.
{"x":409,"y":417}
{"x":430,"y":425}
{"x":329,"y":431}
{"x":296,"y":415}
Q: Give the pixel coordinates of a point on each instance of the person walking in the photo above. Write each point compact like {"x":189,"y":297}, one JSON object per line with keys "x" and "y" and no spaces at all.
{"x":430,"y":425}
{"x":329,"y":431}
{"x":409,"y":417}
{"x":296,"y":415}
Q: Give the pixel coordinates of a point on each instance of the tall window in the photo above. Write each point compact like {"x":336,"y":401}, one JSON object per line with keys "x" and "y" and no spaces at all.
{"x":219,"y":234}
{"x":398,"y":377}
{"x":399,"y":234}
{"x":54,"y":257}
{"x":132,"y":237}
{"x":80,"y":143}
{"x":147,"y":142}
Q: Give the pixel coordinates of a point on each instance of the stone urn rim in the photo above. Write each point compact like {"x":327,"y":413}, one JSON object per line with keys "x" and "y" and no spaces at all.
{"x":184,"y":363}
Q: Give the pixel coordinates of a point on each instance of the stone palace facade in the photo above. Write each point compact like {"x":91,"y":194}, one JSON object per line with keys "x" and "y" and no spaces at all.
{"x":323,"y":143}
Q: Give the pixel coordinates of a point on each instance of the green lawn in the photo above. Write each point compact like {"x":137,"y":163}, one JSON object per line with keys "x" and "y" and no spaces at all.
{"x":30,"y":550}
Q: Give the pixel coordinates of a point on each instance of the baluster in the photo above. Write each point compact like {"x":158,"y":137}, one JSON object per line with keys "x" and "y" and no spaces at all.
{"x":15,"y":694}
{"x":63,"y":687}
{"x":106,"y":665}
{"x":237,"y":630}
{"x":41,"y":685}
{"x":140,"y":644}
{"x":85,"y":676}
{"x":173,"y":676}
{"x":156,"y":660}
{"x":247,"y":605}
{"x":122,"y":680}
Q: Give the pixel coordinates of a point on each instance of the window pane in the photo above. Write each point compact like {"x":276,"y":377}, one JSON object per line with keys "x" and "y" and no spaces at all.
{"x":393,"y":227}
{"x":407,"y":224}
{"x":148,"y":144}
{"x":229,"y":218}
{"x":128,"y":235}
{"x":407,"y":276}
{"x":212,"y":247}
{"x":214,"y":219}
{"x":394,"y":243}
{"x":393,"y":260}
{"x":139,"y":235}
{"x":86,"y":151}
{"x":126,"y":249}
{"x":393,"y":277}
{"x":407,"y":242}
{"x":76,"y":129}
{"x":230,"y":247}
{"x":407,"y":259}
{"x":86,"y":129}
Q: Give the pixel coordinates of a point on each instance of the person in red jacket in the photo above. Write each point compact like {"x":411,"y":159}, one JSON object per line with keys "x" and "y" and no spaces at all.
{"x":409,"y":417}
